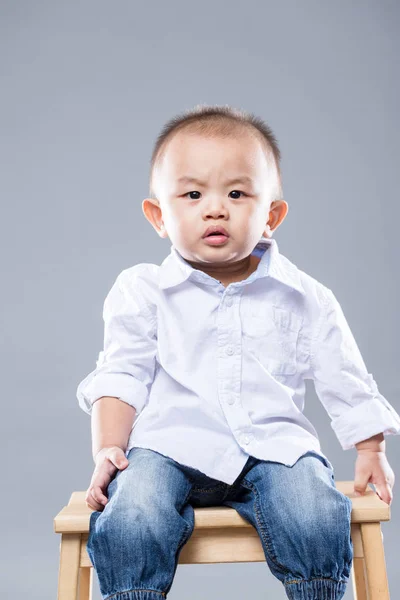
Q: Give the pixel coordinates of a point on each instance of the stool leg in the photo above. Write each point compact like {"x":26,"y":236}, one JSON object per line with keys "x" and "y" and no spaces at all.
{"x":358,"y":572}
{"x":359,"y":579}
{"x":85,"y":583}
{"x":68,"y":573}
{"x":377,"y":582}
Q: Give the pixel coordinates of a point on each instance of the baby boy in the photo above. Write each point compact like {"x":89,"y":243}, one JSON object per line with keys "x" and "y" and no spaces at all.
{"x":206,"y":355}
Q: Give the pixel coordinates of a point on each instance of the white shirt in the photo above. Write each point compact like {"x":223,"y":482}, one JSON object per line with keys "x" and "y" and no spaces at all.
{"x":217,"y":374}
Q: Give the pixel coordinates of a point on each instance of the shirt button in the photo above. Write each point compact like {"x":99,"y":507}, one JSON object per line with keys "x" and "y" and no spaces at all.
{"x":246,"y":439}
{"x":229,"y":301}
{"x":231,"y":400}
{"x":230,"y":350}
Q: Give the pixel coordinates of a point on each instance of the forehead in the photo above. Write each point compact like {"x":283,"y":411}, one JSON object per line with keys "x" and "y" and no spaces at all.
{"x":194,"y":154}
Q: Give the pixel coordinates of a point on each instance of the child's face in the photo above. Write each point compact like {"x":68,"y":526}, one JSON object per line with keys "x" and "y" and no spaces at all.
{"x":188,"y":208}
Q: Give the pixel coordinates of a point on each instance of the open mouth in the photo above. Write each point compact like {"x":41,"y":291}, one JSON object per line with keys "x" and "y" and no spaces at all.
{"x":216,"y":238}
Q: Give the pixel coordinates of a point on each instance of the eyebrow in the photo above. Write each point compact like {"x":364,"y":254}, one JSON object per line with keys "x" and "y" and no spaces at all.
{"x":243,"y":179}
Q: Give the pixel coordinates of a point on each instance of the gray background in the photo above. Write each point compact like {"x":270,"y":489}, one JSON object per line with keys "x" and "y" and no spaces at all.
{"x":85,"y":89}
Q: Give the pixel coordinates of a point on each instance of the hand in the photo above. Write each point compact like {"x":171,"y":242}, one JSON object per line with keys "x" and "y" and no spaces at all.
{"x":373,"y":467}
{"x":108,"y":461}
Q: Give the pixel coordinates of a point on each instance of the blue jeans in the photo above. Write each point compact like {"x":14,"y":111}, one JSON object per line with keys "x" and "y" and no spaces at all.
{"x":302,"y":519}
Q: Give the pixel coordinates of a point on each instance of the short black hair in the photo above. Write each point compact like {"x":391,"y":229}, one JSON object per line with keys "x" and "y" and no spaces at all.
{"x":217,"y":121}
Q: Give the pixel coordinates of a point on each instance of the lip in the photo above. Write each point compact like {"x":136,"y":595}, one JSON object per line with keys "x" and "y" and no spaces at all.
{"x":215,"y":229}
{"x":216,"y":240}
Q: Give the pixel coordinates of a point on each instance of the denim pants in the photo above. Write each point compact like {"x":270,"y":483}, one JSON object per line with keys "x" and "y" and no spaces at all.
{"x":302,"y":519}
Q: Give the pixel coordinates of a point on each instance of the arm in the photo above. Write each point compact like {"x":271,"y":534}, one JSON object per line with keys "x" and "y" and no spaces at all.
{"x":376,"y":443}
{"x":373,"y":467}
{"x":112,"y":421}
{"x":348,"y":392}
{"x":118,"y":389}
{"x":360,"y":414}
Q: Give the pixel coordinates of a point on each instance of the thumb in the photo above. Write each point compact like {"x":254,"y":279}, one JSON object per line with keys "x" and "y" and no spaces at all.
{"x":120,"y":459}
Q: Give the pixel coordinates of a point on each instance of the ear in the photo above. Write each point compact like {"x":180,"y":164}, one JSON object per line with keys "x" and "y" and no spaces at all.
{"x":277,"y":213}
{"x":152,"y":211}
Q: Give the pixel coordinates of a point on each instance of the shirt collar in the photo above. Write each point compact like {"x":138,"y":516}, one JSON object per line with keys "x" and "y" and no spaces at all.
{"x":175,"y":269}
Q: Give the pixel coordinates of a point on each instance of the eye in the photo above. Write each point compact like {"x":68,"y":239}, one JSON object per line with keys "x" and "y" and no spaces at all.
{"x":195,"y":192}
{"x":238,"y":191}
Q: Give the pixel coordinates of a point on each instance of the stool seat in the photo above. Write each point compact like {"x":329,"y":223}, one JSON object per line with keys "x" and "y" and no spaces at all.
{"x":221,"y":535}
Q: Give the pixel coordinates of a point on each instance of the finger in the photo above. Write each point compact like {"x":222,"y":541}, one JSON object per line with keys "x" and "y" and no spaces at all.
{"x":91,"y":503}
{"x":384,"y":492}
{"x":97,"y":495}
{"x":360,"y":483}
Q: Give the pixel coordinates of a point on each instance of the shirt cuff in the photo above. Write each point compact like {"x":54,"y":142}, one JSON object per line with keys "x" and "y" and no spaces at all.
{"x":121,"y":385}
{"x":364,"y":420}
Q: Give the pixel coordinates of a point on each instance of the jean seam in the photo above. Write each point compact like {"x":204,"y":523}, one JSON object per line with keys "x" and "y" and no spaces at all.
{"x":229,"y":488}
{"x":209,"y":490}
{"x":315,"y":579}
{"x":182,"y":541}
{"x":262,"y":527}
{"x":135,"y":590}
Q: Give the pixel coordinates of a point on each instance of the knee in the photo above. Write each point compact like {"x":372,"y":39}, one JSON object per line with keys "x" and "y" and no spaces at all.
{"x":135,"y":514}
{"x":324,"y":510}
{"x":325,"y":524}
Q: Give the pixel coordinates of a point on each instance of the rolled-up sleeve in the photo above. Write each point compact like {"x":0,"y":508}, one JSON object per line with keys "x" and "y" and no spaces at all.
{"x":343,"y":385}
{"x":125,"y":367}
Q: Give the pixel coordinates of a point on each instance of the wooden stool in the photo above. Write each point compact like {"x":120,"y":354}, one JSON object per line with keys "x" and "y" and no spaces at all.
{"x":221,"y":535}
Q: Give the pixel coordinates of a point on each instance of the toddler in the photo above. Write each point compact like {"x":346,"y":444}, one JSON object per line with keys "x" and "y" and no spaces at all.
{"x":197,"y":397}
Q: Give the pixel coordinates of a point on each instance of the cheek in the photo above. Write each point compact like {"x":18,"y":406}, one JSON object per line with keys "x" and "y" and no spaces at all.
{"x":253,"y":217}
{"x":188,"y":221}
{"x":175,"y":220}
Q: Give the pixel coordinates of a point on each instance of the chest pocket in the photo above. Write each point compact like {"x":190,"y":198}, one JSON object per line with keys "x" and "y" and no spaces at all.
{"x":271,"y":334}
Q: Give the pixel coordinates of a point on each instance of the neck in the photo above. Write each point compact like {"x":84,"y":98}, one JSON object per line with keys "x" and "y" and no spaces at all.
{"x":225,"y":271}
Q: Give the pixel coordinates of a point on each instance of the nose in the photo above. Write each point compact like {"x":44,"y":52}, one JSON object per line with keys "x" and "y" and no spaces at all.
{"x":216,"y":208}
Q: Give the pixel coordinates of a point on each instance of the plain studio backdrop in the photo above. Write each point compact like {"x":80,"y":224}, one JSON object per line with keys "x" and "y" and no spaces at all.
{"x":85,"y":90}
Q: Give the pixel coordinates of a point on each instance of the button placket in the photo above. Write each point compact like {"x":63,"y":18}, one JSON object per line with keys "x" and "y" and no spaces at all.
{"x":229,"y":367}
